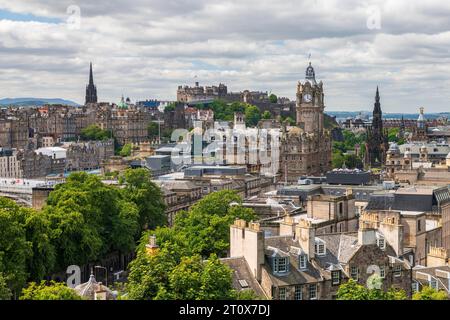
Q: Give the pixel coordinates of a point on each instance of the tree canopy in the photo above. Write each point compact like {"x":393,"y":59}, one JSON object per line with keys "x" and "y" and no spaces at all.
{"x":52,"y":291}
{"x":428,"y":293}
{"x":94,"y":132}
{"x":177,"y":270}
{"x":351,"y":290}
{"x":273,"y":98}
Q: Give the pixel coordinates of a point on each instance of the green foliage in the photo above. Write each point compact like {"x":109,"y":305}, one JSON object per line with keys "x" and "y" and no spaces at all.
{"x":289,"y":120}
{"x":5,"y":292}
{"x":394,"y":136}
{"x":94,"y":132}
{"x":147,"y":196}
{"x":225,"y":112}
{"x":247,"y":294}
{"x":205,"y":227}
{"x":351,"y":290}
{"x":428,"y":293}
{"x":89,"y":219}
{"x":125,"y":151}
{"x":273,"y":98}
{"x":170,"y":107}
{"x":266,"y":115}
{"x":153,"y":130}
{"x":177,"y":271}
{"x":340,"y":148}
{"x":52,"y":291}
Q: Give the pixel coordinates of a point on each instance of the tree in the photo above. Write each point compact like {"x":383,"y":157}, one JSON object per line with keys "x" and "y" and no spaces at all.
{"x":206,"y":226}
{"x":351,"y":290}
{"x":428,"y":293}
{"x":52,"y":291}
{"x":153,"y":130}
{"x":14,"y":247}
{"x":5,"y":293}
{"x":94,"y":132}
{"x":89,"y":219}
{"x":147,"y":196}
{"x":273,"y":98}
{"x":266,"y":115}
{"x":126,"y":150}
{"x":252,"y":115}
{"x":337,"y":160}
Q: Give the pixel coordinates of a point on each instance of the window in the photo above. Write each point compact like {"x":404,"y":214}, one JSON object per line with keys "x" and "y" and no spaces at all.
{"x":418,"y":225}
{"x":381,"y":243}
{"x":415,"y":286}
{"x":397,"y":271}
{"x":312,"y":291}
{"x":433,"y":283}
{"x":335,"y":277}
{"x":354,"y":272}
{"x":298,"y":293}
{"x":382,"y":272}
{"x":281,"y":265}
{"x":302,"y":261}
{"x":320,"y":248}
{"x":341,"y":207}
{"x":282,"y":294}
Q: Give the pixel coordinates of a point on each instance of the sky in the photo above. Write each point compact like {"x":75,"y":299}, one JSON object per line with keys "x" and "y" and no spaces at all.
{"x":145,"y":48}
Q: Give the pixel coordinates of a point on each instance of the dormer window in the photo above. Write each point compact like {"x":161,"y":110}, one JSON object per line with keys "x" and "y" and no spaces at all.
{"x":281,"y":265}
{"x":335,"y":277}
{"x":381,"y":243}
{"x":319,"y":247}
{"x":433,"y":283}
{"x":397,"y":270}
{"x":302,"y":260}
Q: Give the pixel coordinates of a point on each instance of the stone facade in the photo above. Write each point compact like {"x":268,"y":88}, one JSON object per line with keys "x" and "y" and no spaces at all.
{"x":307,"y":266}
{"x":306,"y":148}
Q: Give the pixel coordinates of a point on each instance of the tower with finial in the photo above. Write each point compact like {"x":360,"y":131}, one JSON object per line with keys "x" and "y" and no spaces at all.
{"x":91,"y":89}
{"x":310,"y":103}
{"x":377,"y":141}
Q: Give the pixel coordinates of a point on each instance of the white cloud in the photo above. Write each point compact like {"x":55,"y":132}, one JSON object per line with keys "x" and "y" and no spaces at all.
{"x":146,"y":49}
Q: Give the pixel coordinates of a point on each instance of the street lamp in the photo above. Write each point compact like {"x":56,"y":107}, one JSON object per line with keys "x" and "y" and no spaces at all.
{"x":106,"y":270}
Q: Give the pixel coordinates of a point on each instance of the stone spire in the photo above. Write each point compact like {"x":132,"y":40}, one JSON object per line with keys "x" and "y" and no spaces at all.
{"x":91,"y":89}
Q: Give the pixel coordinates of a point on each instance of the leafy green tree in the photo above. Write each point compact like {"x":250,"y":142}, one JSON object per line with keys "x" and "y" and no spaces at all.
{"x":94,"y":132}
{"x":14,"y":248}
{"x":273,"y":98}
{"x":126,"y":150}
{"x":428,"y":293}
{"x":89,"y":219}
{"x":351,"y":290}
{"x":206,"y":226}
{"x":149,"y":274}
{"x":266,"y":115}
{"x":5,"y":293}
{"x":337,"y":160}
{"x":52,"y":291}
{"x":247,"y":294}
{"x":153,"y":130}
{"x":170,"y":107}
{"x":147,"y":196}
{"x":252,"y":115}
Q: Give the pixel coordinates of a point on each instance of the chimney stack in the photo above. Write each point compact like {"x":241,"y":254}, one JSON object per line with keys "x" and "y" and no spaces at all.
{"x":305,"y":235}
{"x":368,"y":224}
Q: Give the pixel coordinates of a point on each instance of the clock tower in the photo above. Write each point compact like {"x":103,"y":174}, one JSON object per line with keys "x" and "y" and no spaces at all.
{"x":310,"y":103}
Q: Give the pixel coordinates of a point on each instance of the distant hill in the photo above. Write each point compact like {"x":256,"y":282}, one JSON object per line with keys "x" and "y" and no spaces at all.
{"x":29,"y":102}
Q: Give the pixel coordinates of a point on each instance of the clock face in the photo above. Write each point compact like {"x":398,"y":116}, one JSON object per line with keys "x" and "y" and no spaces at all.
{"x":307,"y":97}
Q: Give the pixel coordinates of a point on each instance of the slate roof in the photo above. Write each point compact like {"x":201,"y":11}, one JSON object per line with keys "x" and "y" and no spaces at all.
{"x":241,"y":271}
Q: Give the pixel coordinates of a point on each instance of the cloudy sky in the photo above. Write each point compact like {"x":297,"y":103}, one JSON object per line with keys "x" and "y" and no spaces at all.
{"x":146,"y":48}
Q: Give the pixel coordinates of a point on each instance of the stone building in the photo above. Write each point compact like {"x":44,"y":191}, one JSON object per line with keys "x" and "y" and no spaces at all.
{"x":306,"y":148}
{"x":88,"y":155}
{"x":198,"y":93}
{"x":307,"y":266}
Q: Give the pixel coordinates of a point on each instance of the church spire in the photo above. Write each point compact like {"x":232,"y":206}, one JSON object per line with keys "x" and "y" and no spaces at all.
{"x":91,"y":76}
{"x":377,"y":96}
{"x":91,"y":89}
{"x":377,"y":105}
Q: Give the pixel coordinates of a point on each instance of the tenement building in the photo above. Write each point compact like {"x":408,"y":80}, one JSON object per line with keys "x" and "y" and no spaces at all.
{"x":306,"y":148}
{"x":307,"y":266}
